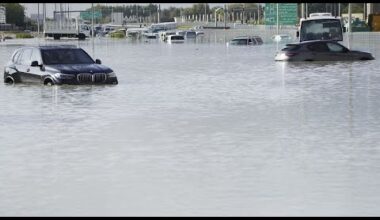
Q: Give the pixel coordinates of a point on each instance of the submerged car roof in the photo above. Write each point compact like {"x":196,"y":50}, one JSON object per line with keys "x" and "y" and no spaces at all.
{"x":244,"y":37}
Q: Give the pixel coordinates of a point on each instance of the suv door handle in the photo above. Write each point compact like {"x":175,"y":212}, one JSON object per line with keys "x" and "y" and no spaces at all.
{"x":27,"y":70}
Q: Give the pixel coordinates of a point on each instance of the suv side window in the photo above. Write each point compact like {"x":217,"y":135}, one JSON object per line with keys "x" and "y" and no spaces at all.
{"x":336,"y":48}
{"x":36,"y":56}
{"x":259,"y":40}
{"x":16,"y":57}
{"x":25,"y":57}
{"x":318,"y":47}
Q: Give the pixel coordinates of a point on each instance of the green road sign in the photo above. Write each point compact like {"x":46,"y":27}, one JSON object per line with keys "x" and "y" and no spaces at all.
{"x":287,"y":13}
{"x":87,"y":15}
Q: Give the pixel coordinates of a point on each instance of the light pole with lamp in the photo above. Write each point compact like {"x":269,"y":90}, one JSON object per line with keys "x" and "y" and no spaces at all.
{"x":216,"y":23}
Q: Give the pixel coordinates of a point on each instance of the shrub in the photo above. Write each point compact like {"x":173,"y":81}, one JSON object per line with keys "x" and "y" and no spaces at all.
{"x":23,"y":35}
{"x":118,"y":34}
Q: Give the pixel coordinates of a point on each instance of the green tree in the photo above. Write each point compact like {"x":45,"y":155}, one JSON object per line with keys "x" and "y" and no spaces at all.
{"x":355,"y":7}
{"x":15,"y":13}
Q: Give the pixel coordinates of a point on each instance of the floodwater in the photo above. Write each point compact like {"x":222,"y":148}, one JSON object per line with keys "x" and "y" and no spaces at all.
{"x":194,"y":129}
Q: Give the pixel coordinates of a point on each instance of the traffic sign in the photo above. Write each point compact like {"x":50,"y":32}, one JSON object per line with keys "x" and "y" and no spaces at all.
{"x":87,"y":15}
{"x":287,"y":13}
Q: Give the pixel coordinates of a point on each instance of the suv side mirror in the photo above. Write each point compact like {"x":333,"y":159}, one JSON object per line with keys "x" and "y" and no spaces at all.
{"x":34,"y":63}
{"x":298,"y":34}
{"x":97,"y":61}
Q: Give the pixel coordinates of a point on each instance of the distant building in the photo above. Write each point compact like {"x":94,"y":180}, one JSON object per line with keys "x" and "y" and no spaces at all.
{"x":2,"y":15}
{"x":131,"y":19}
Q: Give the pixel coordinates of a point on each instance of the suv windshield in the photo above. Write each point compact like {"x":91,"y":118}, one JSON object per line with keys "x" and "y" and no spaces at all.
{"x":65,"y":56}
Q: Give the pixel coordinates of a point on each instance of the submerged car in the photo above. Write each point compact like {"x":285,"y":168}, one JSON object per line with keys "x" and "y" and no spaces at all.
{"x":175,"y":39}
{"x":320,"y":50}
{"x":281,"y":38}
{"x":246,"y":40}
{"x":52,"y":65}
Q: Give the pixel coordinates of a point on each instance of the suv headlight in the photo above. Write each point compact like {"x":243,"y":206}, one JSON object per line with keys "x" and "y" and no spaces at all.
{"x":63,"y":76}
{"x":112,"y":74}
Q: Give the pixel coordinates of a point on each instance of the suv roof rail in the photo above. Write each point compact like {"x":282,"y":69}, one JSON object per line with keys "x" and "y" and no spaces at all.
{"x":58,"y":46}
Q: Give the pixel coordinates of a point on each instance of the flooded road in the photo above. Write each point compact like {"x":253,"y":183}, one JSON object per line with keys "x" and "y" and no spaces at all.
{"x":194,"y":129}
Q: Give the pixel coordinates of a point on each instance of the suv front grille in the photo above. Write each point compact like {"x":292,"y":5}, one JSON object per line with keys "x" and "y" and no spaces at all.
{"x":99,"y":77}
{"x":84,"y":78}
{"x":91,"y":78}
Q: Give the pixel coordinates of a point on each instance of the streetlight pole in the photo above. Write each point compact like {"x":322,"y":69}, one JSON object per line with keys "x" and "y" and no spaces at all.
{"x":349,"y":25}
{"x":277,"y":18}
{"x":44,"y":9}
{"x":38,"y":19}
{"x":158,"y":13}
{"x":216,"y":22}
{"x":258,"y":13}
{"x":224,"y":10}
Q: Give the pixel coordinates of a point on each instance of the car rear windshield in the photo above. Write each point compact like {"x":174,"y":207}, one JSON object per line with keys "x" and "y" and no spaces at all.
{"x":177,"y":37}
{"x":65,"y":56}
{"x":291,"y":47}
{"x":239,"y":41}
{"x":191,"y":34}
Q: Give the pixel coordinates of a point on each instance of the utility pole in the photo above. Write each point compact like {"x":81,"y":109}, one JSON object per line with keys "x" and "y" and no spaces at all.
{"x":338,"y":9}
{"x":205,"y":12}
{"x":158,"y":13}
{"x":38,"y":19}
{"x":92,"y":30}
{"x":277,"y":18}
{"x":92,"y":21}
{"x":307,"y":12}
{"x":349,"y":25}
{"x":258,"y":13}
{"x":44,"y":15}
{"x":243,"y":14}
{"x":60,"y":15}
{"x":224,"y":16}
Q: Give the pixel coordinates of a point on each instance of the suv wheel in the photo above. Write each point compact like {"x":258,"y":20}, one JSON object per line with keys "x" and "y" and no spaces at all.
{"x":9,"y":80}
{"x":48,"y":82}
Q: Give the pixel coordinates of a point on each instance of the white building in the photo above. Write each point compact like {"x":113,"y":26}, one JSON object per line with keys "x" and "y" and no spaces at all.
{"x":2,"y":15}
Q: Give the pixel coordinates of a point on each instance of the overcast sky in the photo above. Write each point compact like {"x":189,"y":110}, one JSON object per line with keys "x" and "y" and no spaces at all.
{"x":32,"y":8}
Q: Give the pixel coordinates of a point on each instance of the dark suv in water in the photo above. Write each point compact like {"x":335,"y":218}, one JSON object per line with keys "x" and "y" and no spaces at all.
{"x":51,"y":65}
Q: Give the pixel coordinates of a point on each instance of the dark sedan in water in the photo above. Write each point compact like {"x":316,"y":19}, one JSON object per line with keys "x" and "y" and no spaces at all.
{"x":51,"y":65}
{"x":320,"y":50}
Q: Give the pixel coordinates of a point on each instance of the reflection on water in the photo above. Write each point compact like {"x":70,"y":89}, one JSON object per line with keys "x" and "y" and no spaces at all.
{"x":197,"y":128}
